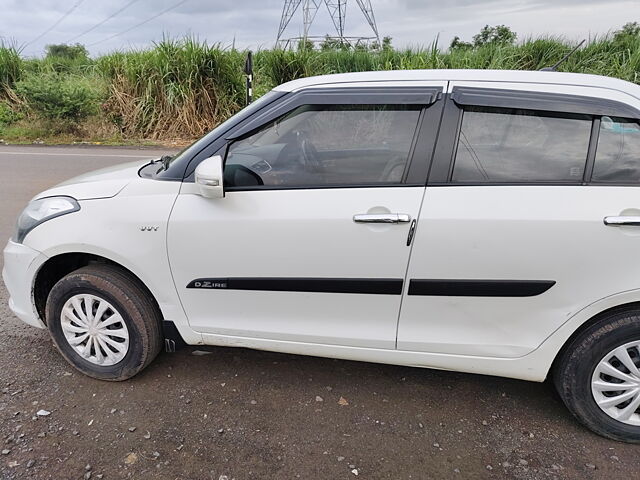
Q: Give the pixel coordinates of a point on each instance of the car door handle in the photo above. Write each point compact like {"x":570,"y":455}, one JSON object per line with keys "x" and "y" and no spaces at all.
{"x":622,"y":221}
{"x":382,"y":218}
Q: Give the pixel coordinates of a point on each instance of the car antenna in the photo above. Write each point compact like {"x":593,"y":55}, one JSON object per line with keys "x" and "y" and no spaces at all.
{"x":563,"y":59}
{"x":248,"y":71}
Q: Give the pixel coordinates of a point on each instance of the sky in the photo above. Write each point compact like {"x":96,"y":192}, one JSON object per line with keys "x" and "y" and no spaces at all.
{"x":254,"y":23}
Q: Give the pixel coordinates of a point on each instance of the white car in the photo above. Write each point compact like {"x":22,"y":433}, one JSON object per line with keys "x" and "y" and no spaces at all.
{"x":478,"y":221}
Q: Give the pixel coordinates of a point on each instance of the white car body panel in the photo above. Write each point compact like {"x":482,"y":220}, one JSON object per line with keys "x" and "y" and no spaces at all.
{"x":292,"y":233}
{"x":111,"y":228}
{"x":104,"y":183}
{"x":467,"y":232}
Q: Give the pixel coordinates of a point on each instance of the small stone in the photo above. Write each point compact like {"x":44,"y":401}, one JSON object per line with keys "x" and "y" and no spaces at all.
{"x":76,"y":432}
{"x":87,"y":467}
{"x":437,"y":445}
{"x":352,"y":466}
{"x":319,"y":398}
{"x":31,"y":463}
{"x":456,"y":470}
{"x":614,"y":457}
{"x":113,"y":410}
{"x":132,"y":429}
{"x":43,"y":413}
{"x":41,"y":435}
{"x":485,"y":423}
{"x":156,"y":454}
{"x":590,"y":466}
{"x":340,"y":459}
{"x":6,"y":451}
{"x":355,"y":471}
{"x":87,"y":475}
{"x":523,"y":462}
{"x":489,"y":467}
{"x":506,"y":464}
{"x":343,"y":402}
{"x":13,"y":464}
{"x":131,"y":458}
{"x":253,"y":402}
{"x":221,"y":430}
{"x":147,"y":435}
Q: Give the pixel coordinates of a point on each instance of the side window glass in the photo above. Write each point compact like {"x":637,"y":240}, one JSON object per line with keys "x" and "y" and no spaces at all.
{"x":520,"y":146}
{"x":319,"y":145}
{"x":618,"y":152}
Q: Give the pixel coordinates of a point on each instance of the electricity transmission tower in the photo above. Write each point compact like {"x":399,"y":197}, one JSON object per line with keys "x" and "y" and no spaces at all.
{"x":337,"y":10}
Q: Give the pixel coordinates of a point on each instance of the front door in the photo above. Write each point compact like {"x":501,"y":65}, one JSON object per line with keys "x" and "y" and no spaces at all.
{"x":310,"y":242}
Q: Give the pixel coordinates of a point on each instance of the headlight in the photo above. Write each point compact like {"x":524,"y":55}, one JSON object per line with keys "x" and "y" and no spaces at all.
{"x":39,"y":211}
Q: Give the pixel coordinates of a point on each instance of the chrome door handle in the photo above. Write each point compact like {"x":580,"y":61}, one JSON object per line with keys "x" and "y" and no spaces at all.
{"x":626,"y":221}
{"x":382,"y":218}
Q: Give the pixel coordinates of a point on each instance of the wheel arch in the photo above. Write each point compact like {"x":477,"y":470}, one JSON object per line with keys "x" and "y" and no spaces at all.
{"x":594,"y":319}
{"x":56,"y":267}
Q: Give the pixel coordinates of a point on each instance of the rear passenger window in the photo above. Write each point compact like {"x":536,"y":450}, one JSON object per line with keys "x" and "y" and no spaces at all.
{"x":618,"y":153}
{"x":500,"y":145}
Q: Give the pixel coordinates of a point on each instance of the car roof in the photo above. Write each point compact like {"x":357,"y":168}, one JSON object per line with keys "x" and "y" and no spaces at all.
{"x":511,"y":76}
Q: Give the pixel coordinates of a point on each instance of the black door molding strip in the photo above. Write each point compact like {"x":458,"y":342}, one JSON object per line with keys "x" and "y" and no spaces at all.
{"x":479,"y":288}
{"x":371,"y":286}
{"x":379,"y":286}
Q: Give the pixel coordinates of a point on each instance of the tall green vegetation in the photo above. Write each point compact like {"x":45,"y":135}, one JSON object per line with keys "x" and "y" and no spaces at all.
{"x":176,"y":89}
{"x":182,"y":88}
{"x":10,"y":70}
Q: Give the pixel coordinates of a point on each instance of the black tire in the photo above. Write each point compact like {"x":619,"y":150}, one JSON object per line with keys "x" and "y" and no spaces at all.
{"x":132,"y":301}
{"x":575,"y":367}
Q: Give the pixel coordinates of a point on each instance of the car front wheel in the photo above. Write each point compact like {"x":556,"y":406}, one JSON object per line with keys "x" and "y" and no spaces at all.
{"x":598,"y":376}
{"x":103,"y":322}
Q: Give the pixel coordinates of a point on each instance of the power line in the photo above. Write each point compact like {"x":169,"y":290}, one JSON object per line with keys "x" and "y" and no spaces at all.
{"x":139,"y":24}
{"x":91,"y":29}
{"x":69,"y":12}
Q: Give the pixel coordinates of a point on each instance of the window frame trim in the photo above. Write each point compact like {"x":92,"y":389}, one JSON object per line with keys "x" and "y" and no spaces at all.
{"x":443,"y":162}
{"x":420,"y":154}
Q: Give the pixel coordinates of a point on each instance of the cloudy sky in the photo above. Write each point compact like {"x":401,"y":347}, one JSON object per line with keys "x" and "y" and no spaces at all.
{"x":254,"y":23}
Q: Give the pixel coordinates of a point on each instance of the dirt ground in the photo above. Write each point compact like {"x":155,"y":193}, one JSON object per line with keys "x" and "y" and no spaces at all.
{"x":241,"y":414}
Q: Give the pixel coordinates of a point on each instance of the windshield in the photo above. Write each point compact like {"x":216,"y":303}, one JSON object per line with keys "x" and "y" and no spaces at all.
{"x":187,"y":153}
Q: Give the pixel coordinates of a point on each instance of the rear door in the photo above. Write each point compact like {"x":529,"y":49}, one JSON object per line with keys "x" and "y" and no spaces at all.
{"x":310,"y":242}
{"x":511,"y":240}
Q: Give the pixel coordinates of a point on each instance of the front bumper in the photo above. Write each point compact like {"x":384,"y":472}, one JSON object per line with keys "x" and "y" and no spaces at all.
{"x":21,"y":264}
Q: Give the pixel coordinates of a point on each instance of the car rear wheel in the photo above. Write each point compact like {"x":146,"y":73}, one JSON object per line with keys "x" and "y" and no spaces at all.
{"x":598,"y":376}
{"x":103,"y":322}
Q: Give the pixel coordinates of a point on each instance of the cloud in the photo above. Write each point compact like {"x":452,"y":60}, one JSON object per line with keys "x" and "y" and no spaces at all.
{"x":254,"y":23}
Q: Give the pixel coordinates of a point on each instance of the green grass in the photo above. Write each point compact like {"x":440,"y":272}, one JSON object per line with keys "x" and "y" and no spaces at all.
{"x":183,"y":88}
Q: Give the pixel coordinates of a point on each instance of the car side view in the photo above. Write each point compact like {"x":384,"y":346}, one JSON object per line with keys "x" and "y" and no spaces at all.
{"x":478,"y":221}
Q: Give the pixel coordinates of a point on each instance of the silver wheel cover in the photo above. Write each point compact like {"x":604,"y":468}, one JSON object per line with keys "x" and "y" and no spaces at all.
{"x":94,"y":329}
{"x":615,"y":383}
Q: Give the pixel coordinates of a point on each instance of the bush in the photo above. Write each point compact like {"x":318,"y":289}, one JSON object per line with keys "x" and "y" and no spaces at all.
{"x":8,"y":115}
{"x":65,"y":100}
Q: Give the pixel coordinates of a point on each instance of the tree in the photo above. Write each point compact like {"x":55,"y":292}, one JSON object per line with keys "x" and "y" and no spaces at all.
{"x":628,"y":31}
{"x":386,"y":44}
{"x":332,"y":43}
{"x":69,"y":52}
{"x":304,"y":44}
{"x":498,"y":35}
{"x":458,"y":44}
